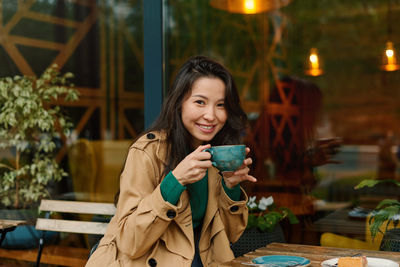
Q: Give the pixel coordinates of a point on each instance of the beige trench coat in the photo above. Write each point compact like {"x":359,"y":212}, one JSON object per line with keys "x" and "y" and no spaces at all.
{"x":148,"y":231}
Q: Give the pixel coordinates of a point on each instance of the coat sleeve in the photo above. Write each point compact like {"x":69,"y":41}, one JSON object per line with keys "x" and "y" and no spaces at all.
{"x":143,"y":215}
{"x":234,"y":215}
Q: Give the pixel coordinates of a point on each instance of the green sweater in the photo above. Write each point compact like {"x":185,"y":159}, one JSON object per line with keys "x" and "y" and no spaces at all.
{"x":171,"y":191}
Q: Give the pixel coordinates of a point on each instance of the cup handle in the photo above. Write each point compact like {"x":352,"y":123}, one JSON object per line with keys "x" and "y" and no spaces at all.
{"x":211,"y":152}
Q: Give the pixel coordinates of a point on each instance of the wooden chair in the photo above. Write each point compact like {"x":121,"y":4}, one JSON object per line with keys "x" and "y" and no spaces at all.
{"x":95,"y":167}
{"x":71,"y":226}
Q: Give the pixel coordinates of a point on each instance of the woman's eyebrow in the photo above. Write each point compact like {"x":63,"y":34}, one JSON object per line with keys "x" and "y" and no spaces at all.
{"x":202,"y":96}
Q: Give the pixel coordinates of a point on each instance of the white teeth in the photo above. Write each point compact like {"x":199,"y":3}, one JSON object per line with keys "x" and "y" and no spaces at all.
{"x":205,"y":127}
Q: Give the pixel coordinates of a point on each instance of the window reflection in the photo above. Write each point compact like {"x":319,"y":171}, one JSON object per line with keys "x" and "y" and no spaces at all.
{"x":357,"y":100}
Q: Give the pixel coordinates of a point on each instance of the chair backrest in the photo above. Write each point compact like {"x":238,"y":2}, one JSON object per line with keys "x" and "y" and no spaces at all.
{"x":95,"y":168}
{"x":76,"y":207}
{"x":82,"y":168}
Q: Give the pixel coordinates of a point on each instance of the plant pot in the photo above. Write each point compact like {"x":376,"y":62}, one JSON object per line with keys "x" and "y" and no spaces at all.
{"x":24,"y":236}
{"x":253,"y":239}
{"x":391,"y":240}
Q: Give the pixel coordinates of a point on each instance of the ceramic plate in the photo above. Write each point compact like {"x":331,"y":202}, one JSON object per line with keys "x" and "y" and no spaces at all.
{"x":359,"y":213}
{"x":282,"y":260}
{"x":372,"y":262}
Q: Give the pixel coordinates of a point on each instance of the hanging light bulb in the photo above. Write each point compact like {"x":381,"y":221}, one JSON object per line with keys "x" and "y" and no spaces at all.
{"x":249,"y":6}
{"x":389,"y":61}
{"x":314,"y":64}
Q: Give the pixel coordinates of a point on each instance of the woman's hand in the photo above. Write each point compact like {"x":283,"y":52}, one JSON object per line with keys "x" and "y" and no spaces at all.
{"x":323,"y":152}
{"x":194,"y":166}
{"x":242,"y":174}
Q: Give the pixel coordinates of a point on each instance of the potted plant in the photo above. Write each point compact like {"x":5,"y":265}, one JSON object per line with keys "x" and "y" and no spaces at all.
{"x":263,"y":225}
{"x":31,"y":129}
{"x":264,"y":215}
{"x":385,"y":215}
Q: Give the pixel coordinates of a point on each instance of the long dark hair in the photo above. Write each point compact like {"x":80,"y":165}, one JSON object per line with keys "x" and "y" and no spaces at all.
{"x":170,"y":120}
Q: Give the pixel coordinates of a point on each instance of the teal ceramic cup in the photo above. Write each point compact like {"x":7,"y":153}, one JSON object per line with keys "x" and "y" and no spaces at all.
{"x":227,"y":158}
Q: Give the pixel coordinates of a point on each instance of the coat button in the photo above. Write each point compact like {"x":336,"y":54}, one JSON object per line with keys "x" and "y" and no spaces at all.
{"x":171,"y":214}
{"x":150,"y":136}
{"x":152,"y":262}
{"x":234,"y":208}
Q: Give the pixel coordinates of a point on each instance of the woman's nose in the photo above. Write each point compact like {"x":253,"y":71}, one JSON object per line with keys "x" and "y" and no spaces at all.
{"x":209,"y":114}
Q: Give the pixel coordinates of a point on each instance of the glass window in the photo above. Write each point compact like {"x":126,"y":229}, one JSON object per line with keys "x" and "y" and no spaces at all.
{"x":319,"y":84}
{"x":101,"y":43}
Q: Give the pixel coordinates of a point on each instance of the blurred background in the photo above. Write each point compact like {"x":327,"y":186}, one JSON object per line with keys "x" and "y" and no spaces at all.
{"x":318,"y":80}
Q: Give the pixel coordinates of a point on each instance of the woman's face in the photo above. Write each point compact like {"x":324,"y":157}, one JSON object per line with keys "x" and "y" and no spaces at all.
{"x":203,"y":109}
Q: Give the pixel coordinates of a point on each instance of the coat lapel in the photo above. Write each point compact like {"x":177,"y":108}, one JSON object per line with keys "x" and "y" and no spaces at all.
{"x":187,"y":225}
{"x":162,"y":148}
{"x":214,"y":190}
{"x":184,"y":223}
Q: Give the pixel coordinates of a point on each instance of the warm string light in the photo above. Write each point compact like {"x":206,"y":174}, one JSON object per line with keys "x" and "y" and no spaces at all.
{"x":389,"y":58}
{"x":314,"y":68}
{"x":389,"y":61}
{"x":249,"y":6}
{"x":314,"y":61}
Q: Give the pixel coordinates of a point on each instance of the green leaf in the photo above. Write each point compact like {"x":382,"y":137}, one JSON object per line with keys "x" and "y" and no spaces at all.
{"x":252,"y":221}
{"x":290,"y":215}
{"x":372,"y":183}
{"x":388,"y":202}
{"x":268,"y":221}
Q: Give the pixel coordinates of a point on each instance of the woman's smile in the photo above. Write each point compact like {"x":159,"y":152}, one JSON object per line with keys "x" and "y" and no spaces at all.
{"x":206,"y":128}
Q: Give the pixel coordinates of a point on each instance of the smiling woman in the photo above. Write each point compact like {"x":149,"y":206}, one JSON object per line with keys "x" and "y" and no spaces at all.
{"x":172,"y":199}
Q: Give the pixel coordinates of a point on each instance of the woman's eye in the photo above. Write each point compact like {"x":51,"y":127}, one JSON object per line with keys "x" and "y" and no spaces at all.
{"x":221,"y":105}
{"x":200,"y":102}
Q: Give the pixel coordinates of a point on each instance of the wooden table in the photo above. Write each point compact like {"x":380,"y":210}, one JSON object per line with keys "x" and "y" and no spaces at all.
{"x":8,"y":226}
{"x":316,"y":254}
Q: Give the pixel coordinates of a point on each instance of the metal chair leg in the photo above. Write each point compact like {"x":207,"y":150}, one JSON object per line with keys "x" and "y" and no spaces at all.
{"x":41,"y":243}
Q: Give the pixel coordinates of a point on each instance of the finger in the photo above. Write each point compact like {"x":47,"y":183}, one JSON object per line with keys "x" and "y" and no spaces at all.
{"x":204,"y":164}
{"x":236,"y":179}
{"x":202,"y":147}
{"x":203,"y":155}
{"x":247,"y":150}
{"x":248,"y":161}
{"x":243,"y":171}
{"x":200,"y":154}
{"x":247,"y":177}
{"x":251,"y":178}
